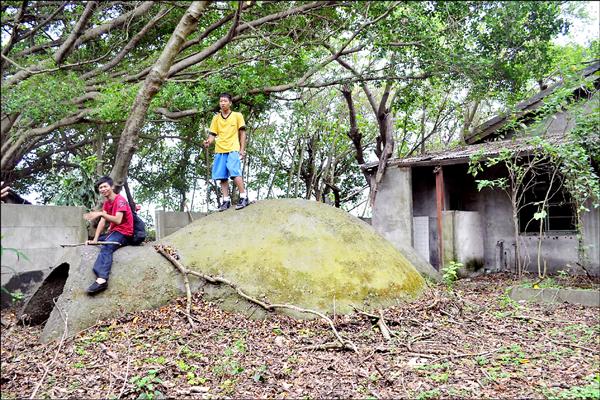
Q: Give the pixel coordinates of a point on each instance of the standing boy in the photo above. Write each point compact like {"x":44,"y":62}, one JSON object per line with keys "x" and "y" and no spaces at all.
{"x":229,"y":130}
{"x":116,"y":211}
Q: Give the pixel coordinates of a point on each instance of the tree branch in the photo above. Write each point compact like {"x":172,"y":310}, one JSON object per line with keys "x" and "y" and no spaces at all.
{"x":129,"y":46}
{"x":69,"y":44}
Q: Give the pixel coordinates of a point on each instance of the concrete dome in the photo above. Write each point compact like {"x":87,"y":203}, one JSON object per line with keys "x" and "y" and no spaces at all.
{"x":300,"y":252}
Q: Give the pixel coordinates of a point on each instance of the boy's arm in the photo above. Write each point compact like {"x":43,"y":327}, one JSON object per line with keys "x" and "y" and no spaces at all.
{"x":99,"y":230}
{"x":212,"y":132}
{"x":242,"y":136}
{"x":209,"y":140}
{"x":115,"y":219}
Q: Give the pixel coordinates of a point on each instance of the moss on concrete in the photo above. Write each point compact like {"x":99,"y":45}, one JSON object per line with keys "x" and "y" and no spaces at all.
{"x":299,"y":252}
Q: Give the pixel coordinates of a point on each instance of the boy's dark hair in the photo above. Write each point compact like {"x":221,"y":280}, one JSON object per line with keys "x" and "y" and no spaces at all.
{"x":227,"y":95}
{"x":103,"y":179}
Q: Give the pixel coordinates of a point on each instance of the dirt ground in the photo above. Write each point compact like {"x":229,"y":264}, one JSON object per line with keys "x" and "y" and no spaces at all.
{"x":469,"y":342}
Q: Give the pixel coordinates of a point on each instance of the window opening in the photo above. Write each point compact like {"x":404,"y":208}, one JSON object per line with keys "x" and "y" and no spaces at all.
{"x":560,"y":211}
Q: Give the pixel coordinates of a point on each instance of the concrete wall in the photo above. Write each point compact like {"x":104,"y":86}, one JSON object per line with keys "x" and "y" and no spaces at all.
{"x":463,"y":237}
{"x":558,"y":252}
{"x":591,"y":238}
{"x":168,"y":222}
{"x":393,"y":208}
{"x":496,"y":215}
{"x":37,"y":232}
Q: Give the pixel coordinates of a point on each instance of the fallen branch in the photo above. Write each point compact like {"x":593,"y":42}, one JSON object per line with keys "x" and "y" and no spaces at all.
{"x":88,"y":244}
{"x":186,"y":280}
{"x":380,"y":322}
{"x":169,"y":253}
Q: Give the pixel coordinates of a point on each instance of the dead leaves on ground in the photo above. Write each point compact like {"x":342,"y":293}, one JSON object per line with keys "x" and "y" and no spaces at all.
{"x":473,"y":342}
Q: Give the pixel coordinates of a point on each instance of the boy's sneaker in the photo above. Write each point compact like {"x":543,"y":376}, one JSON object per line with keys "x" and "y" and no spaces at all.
{"x":225,"y":205}
{"x":96,"y":288}
{"x":242,"y":203}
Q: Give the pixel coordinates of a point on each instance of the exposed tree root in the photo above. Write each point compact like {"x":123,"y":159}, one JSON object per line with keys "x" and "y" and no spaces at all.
{"x":170,"y":254}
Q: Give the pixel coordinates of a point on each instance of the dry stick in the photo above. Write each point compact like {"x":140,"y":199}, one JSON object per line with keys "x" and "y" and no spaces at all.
{"x":383,"y":328}
{"x":62,"y":340}
{"x":269,"y":307}
{"x":384,"y":376}
{"x":450,"y":357}
{"x":381,"y":324}
{"x":89,"y":244}
{"x":571,"y":345}
{"x":186,"y":281}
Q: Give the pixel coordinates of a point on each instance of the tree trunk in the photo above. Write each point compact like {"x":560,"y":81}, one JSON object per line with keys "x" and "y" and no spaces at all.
{"x":386,"y":128}
{"x":99,"y":145}
{"x":354,"y":133}
{"x":130,"y":136}
{"x":469,"y":117}
{"x":515,"y":216}
{"x":423,"y":128}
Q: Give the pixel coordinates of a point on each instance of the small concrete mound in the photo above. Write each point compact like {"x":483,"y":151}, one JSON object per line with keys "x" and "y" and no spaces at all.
{"x":283,"y":251}
{"x":299,"y":252}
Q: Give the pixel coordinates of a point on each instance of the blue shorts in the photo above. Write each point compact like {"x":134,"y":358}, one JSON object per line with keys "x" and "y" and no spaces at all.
{"x":226,"y":165}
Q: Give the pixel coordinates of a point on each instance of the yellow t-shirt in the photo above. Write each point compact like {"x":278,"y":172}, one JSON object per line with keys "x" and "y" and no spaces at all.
{"x":226,"y":130}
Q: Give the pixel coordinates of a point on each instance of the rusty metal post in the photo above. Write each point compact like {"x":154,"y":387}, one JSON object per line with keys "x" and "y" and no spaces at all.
{"x":439,"y":200}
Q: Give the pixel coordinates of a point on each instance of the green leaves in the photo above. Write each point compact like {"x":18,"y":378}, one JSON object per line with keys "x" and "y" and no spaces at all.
{"x":115,"y":101}
{"x":76,"y":188}
{"x":43,"y":98}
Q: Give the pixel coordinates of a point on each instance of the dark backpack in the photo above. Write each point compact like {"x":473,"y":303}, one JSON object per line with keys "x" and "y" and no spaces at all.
{"x":139,"y":227}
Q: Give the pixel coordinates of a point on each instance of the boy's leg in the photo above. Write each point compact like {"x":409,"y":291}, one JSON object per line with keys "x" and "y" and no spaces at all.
{"x":103,"y":263}
{"x":224,"y":187}
{"x":239,"y":182}
{"x":235,"y":172}
{"x":219,"y":173}
{"x":243,"y":201}
{"x":226,"y":203}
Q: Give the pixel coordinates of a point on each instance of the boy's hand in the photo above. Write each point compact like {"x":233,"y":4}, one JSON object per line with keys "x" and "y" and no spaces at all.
{"x":92,"y":215}
{"x":93,"y":241}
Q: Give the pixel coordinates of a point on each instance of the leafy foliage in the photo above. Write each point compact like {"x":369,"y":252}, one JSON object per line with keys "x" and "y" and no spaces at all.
{"x":145,"y":385}
{"x":450,"y":272}
{"x":76,"y":188}
{"x":444,"y":59}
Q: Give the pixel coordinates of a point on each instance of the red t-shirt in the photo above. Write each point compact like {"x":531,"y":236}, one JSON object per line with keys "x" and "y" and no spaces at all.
{"x":119,"y":204}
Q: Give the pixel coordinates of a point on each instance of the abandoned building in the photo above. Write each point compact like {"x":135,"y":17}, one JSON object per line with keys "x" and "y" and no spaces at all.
{"x":432,"y":202}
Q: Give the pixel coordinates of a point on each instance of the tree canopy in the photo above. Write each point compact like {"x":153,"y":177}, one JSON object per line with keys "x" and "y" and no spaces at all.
{"x":324,"y":85}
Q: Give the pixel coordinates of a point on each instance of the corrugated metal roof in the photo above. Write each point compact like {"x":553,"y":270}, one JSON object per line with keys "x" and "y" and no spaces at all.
{"x":463,"y":154}
{"x":494,"y":124}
